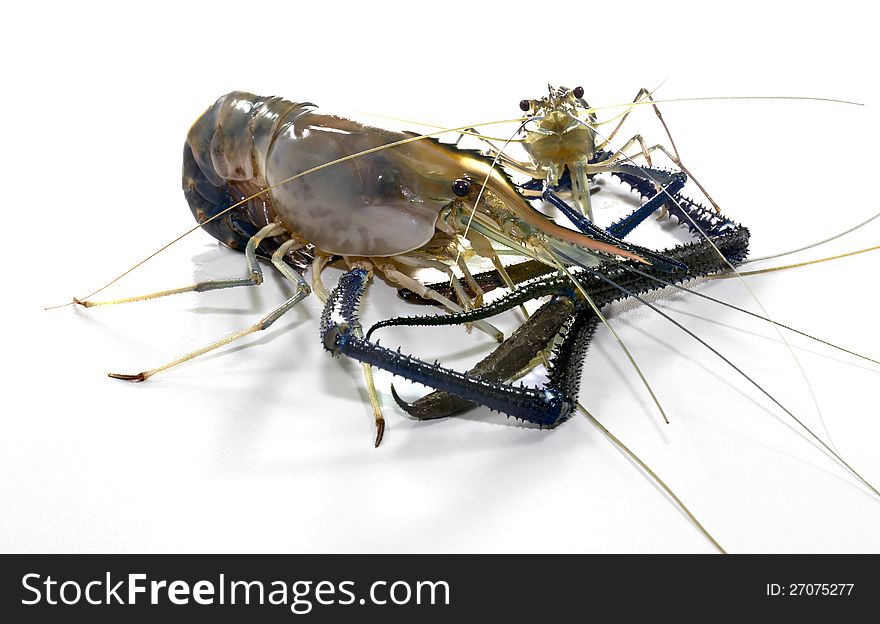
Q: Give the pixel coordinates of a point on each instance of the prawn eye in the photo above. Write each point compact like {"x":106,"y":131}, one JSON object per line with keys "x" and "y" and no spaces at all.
{"x":525,"y":105}
{"x":461,"y":187}
{"x":578,"y":92}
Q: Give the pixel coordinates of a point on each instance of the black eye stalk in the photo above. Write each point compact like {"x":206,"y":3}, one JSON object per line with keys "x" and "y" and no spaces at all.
{"x":525,"y":105}
{"x":578,"y":92}
{"x":461,"y":187}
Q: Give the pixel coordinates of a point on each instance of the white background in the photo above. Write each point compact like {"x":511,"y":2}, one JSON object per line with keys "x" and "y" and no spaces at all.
{"x":268,"y":446}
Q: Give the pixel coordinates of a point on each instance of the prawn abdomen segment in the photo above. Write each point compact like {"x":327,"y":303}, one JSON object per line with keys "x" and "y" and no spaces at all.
{"x":224,"y":163}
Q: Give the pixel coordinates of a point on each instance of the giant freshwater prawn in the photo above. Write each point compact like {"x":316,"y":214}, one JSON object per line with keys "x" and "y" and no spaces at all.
{"x":281,"y":181}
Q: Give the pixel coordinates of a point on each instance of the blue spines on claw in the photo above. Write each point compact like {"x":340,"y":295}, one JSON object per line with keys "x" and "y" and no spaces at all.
{"x":665,"y":196}
{"x":611,"y":281}
{"x":540,"y":406}
{"x":662,"y":262}
{"x":641,"y":180}
{"x":339,"y":329}
{"x":339,"y":319}
{"x":607,"y":283}
{"x":701,"y":259}
{"x":696,"y":218}
{"x":568,"y":355}
{"x":510,"y":357}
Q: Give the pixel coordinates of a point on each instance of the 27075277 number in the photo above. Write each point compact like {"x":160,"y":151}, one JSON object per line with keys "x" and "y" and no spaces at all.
{"x":810,"y":589}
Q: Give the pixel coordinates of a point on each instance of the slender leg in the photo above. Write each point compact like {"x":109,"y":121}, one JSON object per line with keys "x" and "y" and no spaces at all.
{"x":483,"y":247}
{"x":644,"y":94}
{"x":471,"y":282}
{"x":254,"y":278}
{"x":401,"y":279}
{"x":580,"y":185}
{"x":501,"y":277}
{"x":378,"y":417}
{"x":622,"y":158}
{"x":317,"y":285}
{"x":639,"y":97}
{"x":284,"y":268}
{"x":419,"y":262}
{"x":619,"y":156}
{"x":579,"y":173}
{"x":266,"y":321}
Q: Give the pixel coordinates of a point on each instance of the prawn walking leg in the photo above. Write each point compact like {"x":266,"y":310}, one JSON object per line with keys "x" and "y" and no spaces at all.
{"x":254,"y":278}
{"x":407,"y":282}
{"x":645,"y":96}
{"x":302,"y":291}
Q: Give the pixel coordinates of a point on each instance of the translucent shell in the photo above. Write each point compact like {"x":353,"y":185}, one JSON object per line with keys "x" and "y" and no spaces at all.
{"x":378,"y":204}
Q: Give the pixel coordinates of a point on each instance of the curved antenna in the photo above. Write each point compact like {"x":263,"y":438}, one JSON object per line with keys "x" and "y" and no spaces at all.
{"x":420,"y":137}
{"x":282,"y":182}
{"x":653,"y":475}
{"x":430,"y":125}
{"x":767,"y":319}
{"x":816,"y":244}
{"x":745,"y":375}
{"x":734,"y":98}
{"x":786,"y":267}
{"x":760,"y":305}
